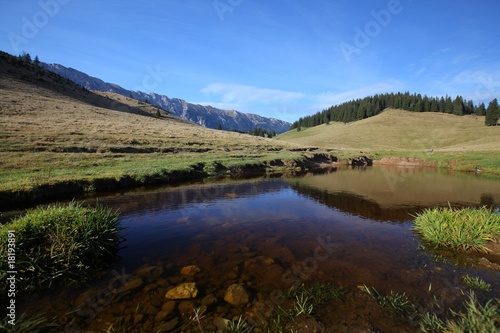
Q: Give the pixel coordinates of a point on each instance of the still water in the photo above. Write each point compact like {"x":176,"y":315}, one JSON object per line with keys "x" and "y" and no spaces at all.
{"x":349,"y":227}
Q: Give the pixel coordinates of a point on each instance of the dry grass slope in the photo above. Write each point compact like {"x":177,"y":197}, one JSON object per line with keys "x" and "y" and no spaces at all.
{"x":52,"y":131}
{"x":402,"y":130}
{"x":460,"y":143}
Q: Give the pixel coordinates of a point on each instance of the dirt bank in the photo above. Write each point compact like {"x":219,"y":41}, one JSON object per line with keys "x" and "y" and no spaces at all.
{"x":404,"y":161}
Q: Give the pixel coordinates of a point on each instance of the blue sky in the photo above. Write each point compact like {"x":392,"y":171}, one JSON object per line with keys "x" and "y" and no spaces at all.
{"x":280,"y":58}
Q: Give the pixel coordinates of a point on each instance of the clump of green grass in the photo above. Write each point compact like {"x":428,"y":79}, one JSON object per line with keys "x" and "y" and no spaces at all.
{"x":61,"y":245}
{"x":458,"y":229}
{"x":319,"y":293}
{"x":37,"y":323}
{"x":394,"y":303}
{"x":476,"y":282}
{"x":476,"y":318}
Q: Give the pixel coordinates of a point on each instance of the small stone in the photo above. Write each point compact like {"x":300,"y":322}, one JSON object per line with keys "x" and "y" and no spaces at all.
{"x":168,"y":307}
{"x":268,"y":261}
{"x":86,"y":296}
{"x":150,"y":310}
{"x":168,"y":326}
{"x":183,"y":291}
{"x":186,"y":307}
{"x":221,"y":323}
{"x":150,"y":287}
{"x":236,"y":295}
{"x":190,"y":270}
{"x":150,"y":273}
{"x":145,"y":270}
{"x":132,"y":284}
{"x":138,"y":318}
{"x":210,"y":328}
{"x":160,"y":316}
{"x":209,"y":300}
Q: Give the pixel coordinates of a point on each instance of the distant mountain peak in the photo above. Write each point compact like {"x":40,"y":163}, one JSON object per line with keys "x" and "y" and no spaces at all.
{"x":206,"y":116}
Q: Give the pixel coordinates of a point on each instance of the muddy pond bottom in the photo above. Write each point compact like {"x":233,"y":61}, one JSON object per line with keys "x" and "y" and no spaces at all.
{"x":253,"y":253}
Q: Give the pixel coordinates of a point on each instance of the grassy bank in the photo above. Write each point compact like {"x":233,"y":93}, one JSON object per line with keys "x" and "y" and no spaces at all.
{"x":48,"y":176}
{"x":458,"y":229}
{"x":59,"y":245}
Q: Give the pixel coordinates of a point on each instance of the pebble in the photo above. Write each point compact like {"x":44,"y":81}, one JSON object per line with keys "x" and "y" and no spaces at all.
{"x":168,"y":326}
{"x":132,"y":284}
{"x":209,"y":300}
{"x":190,"y":270}
{"x":186,"y":307}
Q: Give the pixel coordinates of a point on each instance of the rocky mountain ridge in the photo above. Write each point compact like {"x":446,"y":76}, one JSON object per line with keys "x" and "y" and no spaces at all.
{"x":206,"y":116}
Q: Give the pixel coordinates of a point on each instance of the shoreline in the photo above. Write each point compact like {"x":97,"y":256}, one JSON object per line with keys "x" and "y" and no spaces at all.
{"x":62,"y":190}
{"x":308,"y":161}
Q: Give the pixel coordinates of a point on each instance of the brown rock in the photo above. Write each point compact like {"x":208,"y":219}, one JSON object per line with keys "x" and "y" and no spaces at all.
{"x":132,"y":284}
{"x":190,"y":270}
{"x":209,"y":300}
{"x":236,"y":295}
{"x":183,"y":291}
{"x":168,"y":326}
{"x":168,"y":307}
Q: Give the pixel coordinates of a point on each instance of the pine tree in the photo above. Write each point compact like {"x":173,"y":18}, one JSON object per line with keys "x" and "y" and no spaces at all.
{"x":448,"y":105}
{"x":492,"y":113}
{"x":481,"y":110}
{"x":458,"y":106}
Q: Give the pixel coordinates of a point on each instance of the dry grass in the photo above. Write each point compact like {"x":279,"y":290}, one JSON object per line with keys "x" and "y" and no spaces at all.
{"x":53,"y":132}
{"x":460,"y":142}
{"x":402,"y":130}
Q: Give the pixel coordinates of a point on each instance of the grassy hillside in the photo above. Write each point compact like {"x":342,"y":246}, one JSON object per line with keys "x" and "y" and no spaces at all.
{"x":463,"y":141}
{"x":54,"y":132}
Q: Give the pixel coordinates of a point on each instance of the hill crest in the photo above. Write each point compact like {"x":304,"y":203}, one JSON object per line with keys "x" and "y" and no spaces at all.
{"x":395,"y":129}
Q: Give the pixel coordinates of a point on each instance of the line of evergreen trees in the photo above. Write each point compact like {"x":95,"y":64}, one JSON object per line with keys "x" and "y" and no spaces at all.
{"x":262,"y":132}
{"x":370,"y":106}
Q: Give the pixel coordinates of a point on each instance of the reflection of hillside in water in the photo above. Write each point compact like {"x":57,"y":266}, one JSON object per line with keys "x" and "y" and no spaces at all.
{"x":394,"y":194}
{"x":174,"y":198}
{"x":356,"y":204}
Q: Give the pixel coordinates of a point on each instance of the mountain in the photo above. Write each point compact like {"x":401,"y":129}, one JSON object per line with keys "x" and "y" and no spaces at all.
{"x":206,"y":116}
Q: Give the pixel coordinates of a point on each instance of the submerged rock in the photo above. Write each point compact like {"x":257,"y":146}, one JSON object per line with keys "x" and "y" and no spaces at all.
{"x":132,"y":284}
{"x":237,"y":295}
{"x":168,"y":326}
{"x":190,"y":270}
{"x":209,"y":300}
{"x":183,"y":291}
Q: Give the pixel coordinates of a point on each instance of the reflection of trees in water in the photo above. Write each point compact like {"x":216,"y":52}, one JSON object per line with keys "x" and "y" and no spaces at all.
{"x":360,"y":206}
{"x":356,"y":204}
{"x":487,"y":200}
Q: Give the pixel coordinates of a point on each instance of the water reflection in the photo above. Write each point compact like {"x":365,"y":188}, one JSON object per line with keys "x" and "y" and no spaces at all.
{"x":269,"y":234}
{"x":395,"y":194}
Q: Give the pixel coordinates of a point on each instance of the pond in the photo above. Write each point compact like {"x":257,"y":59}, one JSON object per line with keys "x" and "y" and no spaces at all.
{"x":348,"y":227}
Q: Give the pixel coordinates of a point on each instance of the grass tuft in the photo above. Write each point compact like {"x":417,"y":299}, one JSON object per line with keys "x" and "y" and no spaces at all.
{"x":394,"y":303}
{"x":37,"y":323}
{"x":475,"y":282}
{"x":458,"y":229}
{"x":61,"y":245}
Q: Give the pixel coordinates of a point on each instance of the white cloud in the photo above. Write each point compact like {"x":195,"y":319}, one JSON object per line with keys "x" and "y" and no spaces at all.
{"x":241,"y":94}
